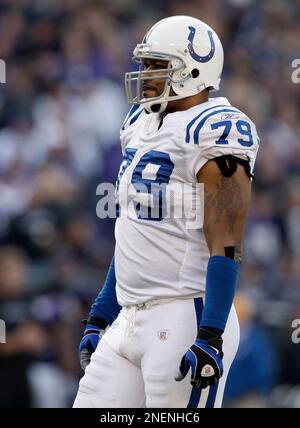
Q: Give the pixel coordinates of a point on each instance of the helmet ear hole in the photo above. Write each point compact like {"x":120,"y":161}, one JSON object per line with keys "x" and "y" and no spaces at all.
{"x":195,"y":72}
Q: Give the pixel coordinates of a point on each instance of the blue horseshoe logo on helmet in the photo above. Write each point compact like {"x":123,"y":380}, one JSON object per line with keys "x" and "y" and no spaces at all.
{"x":193,"y":54}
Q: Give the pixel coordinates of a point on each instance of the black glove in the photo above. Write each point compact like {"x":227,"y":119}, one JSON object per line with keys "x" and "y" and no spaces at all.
{"x":204,"y":357}
{"x":95,"y":328}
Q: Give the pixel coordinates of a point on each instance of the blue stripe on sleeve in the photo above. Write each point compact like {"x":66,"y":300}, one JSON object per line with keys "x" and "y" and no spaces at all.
{"x":135,"y":117}
{"x":130,"y":114}
{"x":188,"y":128}
{"x":202,"y":121}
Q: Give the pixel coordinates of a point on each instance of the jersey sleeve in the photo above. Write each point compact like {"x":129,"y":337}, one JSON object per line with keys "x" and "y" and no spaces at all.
{"x":221,"y":133}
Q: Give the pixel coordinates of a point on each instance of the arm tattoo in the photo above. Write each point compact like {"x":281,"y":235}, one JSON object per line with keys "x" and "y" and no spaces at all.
{"x":226,"y":199}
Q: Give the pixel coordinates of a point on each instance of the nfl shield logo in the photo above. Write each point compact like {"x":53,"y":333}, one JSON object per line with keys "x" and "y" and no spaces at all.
{"x":207,"y":371}
{"x":163,"y":334}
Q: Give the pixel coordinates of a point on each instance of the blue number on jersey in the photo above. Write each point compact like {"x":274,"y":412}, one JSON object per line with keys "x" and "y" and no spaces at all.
{"x":127,"y":159}
{"x":156,"y":189}
{"x":243,"y":128}
{"x":227,"y":127}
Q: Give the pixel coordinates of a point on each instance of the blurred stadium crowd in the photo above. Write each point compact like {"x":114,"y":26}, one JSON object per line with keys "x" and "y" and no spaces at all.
{"x":60,"y":113}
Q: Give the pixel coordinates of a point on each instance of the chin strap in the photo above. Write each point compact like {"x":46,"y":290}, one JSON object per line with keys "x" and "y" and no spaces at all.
{"x":156,"y":107}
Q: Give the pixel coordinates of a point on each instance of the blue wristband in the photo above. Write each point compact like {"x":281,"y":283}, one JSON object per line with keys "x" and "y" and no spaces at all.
{"x":106,"y":305}
{"x":221,"y":281}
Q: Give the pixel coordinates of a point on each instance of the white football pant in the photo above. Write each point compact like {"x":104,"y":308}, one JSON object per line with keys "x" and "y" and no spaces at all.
{"x":137,"y":358}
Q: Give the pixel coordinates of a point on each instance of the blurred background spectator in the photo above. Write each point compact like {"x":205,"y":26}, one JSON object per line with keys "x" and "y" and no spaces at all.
{"x":255,"y":363}
{"x":60,"y":114}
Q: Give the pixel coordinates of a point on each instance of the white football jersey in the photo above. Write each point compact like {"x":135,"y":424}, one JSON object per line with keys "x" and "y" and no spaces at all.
{"x":161,"y":251}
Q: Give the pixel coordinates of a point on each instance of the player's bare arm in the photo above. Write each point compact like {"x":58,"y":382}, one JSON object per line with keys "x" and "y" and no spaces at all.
{"x":226,"y":204}
{"x":227,"y":189}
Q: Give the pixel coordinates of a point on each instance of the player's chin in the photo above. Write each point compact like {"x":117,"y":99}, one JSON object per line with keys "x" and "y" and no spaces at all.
{"x":150,"y":93}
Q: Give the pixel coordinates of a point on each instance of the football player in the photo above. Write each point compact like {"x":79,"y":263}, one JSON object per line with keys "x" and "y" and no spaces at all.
{"x":163,"y":331}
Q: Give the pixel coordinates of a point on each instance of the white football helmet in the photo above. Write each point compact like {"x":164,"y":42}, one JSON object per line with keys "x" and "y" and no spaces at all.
{"x":195,"y":60}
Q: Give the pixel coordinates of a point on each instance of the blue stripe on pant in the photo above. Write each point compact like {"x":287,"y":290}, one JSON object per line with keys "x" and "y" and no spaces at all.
{"x":195,"y":397}
{"x":196,"y":392}
{"x":212,"y":396}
